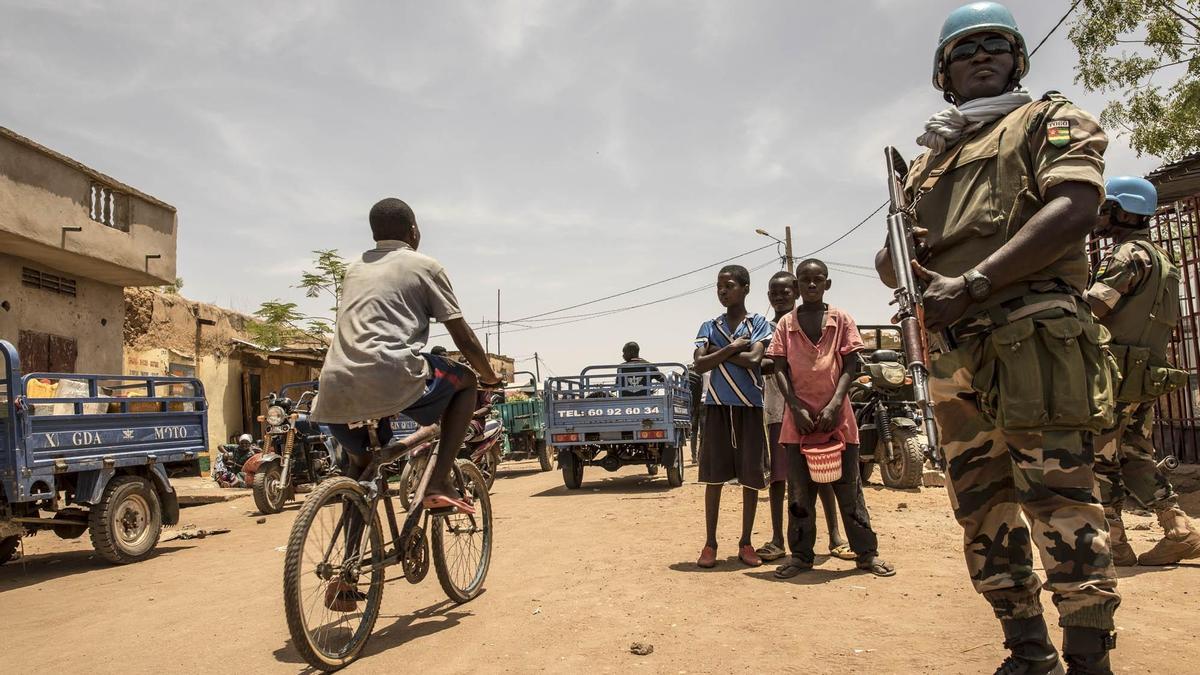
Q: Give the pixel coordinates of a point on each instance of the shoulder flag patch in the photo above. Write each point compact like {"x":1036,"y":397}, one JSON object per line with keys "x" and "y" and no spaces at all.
{"x":1058,"y":132}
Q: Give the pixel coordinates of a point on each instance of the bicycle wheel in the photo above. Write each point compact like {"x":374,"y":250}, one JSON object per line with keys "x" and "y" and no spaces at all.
{"x":462,"y":544}
{"x":333,"y":575}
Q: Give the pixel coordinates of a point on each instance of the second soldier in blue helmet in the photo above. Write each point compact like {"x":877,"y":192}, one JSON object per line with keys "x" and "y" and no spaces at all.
{"x":1005,"y":197}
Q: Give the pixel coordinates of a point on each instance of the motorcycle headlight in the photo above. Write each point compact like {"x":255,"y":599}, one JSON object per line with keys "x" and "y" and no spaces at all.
{"x":276,"y":416}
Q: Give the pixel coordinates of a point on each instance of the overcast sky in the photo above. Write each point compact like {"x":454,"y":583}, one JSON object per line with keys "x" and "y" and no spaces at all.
{"x":559,"y":151}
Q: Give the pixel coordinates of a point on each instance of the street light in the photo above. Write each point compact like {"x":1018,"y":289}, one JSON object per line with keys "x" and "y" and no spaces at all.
{"x":787,"y":245}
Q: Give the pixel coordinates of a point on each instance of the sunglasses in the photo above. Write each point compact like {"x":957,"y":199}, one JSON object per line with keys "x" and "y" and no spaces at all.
{"x":965,"y":50}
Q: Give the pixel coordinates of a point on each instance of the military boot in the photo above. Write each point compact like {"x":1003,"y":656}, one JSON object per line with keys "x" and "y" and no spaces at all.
{"x":1122,"y":552}
{"x":1086,"y":650}
{"x":1031,"y":650}
{"x":1181,"y":541}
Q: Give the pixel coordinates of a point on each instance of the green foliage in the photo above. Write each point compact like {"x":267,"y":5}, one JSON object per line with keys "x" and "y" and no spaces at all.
{"x":174,"y":288}
{"x":328,"y":277}
{"x":280,"y":323}
{"x":1157,"y":40}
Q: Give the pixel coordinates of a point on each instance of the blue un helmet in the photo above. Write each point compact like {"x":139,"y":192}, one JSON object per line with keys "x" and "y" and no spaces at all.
{"x":1134,"y":194}
{"x":978,"y":17}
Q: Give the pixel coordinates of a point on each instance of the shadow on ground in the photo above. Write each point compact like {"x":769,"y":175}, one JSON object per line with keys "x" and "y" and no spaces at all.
{"x":35,"y":569}
{"x":405,"y":628}
{"x":624,"y":485}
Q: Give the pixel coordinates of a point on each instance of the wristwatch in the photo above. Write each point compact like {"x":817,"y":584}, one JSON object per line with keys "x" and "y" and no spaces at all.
{"x":978,"y":285}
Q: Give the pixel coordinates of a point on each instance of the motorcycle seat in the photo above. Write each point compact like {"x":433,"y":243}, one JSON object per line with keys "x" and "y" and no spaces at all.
{"x":885,"y":356}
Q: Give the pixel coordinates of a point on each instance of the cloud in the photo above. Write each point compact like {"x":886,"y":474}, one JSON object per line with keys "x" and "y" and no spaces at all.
{"x":559,"y":151}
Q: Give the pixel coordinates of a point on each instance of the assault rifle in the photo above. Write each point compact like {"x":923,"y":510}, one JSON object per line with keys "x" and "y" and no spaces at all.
{"x":910,"y":315}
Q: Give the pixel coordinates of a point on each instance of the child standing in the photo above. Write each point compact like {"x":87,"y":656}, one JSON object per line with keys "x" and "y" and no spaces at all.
{"x":818,"y":347}
{"x":782,"y":292}
{"x":734,"y":443}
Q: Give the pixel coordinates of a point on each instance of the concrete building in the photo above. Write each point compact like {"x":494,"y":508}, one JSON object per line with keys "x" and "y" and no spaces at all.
{"x":71,"y":238}
{"x":164,"y":332}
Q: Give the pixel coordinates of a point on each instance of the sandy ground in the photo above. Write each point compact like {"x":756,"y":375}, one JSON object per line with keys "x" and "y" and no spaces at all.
{"x":577,"y":576}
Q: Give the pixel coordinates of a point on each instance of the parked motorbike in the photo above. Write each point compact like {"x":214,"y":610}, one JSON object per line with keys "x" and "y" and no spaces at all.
{"x":296,"y":452}
{"x":481,"y":445}
{"x":889,"y":422}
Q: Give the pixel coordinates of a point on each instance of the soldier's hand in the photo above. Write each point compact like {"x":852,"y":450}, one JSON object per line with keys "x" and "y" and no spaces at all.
{"x":945,"y":298}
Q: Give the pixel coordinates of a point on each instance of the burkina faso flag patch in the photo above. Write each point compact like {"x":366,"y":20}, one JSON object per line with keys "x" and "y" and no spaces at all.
{"x":1058,"y":132}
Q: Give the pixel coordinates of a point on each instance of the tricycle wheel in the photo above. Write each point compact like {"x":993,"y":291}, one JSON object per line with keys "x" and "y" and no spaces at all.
{"x":269,"y":493}
{"x":904,"y":472}
{"x":8,"y":547}
{"x":673,"y":458}
{"x":125,"y":525}
{"x":572,"y":468}
{"x":865,"y":471}
{"x":545,"y":453}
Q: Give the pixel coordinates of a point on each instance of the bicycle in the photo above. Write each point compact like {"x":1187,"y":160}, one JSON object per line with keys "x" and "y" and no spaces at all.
{"x":336,"y":546}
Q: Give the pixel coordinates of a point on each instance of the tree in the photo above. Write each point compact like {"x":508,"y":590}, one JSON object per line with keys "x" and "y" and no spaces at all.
{"x":173,"y":289}
{"x":282,"y":322}
{"x":1165,"y":38}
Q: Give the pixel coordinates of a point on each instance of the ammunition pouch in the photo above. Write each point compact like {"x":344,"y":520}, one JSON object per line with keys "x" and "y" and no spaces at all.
{"x":1047,"y":373}
{"x":1145,"y":377}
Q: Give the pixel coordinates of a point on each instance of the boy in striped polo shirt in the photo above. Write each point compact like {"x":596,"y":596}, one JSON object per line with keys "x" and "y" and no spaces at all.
{"x":734,"y":443}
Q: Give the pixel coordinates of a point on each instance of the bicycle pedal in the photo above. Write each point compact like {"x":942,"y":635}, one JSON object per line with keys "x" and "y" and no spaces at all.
{"x":442,"y":511}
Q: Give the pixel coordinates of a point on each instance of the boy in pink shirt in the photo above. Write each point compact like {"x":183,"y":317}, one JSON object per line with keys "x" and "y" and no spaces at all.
{"x":815,"y":351}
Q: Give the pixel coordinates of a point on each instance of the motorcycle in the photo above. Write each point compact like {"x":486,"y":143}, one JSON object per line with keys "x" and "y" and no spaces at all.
{"x":296,"y":451}
{"x":481,"y":446}
{"x":889,"y":422}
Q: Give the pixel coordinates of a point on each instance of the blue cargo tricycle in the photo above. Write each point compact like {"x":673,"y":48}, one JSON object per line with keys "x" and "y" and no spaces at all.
{"x":598,"y":419}
{"x":89,"y":453}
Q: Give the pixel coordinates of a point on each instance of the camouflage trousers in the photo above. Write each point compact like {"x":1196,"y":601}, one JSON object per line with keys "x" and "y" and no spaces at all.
{"x":1011,"y":490}
{"x":1125,"y":461}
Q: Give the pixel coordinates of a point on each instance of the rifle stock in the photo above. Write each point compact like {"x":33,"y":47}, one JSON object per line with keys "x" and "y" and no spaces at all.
{"x":910,"y":315}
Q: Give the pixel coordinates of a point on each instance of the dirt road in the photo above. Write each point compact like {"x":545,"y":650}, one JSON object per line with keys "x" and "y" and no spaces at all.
{"x":576,"y":577}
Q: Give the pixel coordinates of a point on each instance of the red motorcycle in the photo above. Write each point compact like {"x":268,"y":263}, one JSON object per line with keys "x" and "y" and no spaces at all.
{"x":481,"y":446}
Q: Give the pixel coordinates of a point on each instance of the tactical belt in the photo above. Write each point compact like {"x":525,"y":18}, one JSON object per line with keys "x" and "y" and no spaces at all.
{"x":1061,"y":301}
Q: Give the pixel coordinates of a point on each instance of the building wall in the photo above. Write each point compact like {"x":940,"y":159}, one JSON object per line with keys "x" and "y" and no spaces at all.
{"x":44,"y":196}
{"x":93,"y":318}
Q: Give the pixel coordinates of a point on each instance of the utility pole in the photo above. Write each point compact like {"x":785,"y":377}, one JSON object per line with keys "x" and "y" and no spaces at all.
{"x":787,"y":247}
{"x":537,"y":369}
{"x":498,"y":322}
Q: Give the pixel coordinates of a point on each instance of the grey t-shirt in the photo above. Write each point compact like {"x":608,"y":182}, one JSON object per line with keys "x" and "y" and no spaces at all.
{"x":374,"y":367}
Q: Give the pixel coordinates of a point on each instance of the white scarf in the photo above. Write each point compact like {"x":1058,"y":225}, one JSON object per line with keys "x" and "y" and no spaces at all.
{"x":948,"y":127}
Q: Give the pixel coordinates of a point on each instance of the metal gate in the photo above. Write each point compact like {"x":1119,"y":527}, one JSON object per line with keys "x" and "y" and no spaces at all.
{"x":1177,"y":428}
{"x":1176,"y":228}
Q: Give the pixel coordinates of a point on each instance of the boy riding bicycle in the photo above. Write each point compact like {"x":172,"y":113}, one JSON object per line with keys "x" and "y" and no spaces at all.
{"x":375,"y":368}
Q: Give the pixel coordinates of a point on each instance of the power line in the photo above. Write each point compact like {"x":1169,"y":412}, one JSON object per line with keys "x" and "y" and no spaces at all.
{"x":847,"y":233}
{"x":644,"y":286}
{"x":1056,"y":26}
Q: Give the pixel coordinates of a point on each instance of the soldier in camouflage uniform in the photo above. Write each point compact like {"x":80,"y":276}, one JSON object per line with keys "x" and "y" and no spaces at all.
{"x":1135,"y":294}
{"x":1020,"y":378}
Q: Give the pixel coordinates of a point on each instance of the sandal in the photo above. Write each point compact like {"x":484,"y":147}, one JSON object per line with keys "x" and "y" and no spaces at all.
{"x":791,"y":569}
{"x":443,"y":502}
{"x":842,"y":552}
{"x":878,"y":567}
{"x":708,"y":558}
{"x":770,"y":551}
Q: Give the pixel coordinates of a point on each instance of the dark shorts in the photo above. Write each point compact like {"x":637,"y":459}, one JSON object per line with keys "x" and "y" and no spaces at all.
{"x":779,"y":456}
{"x":446,"y":378}
{"x":734,"y":445}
